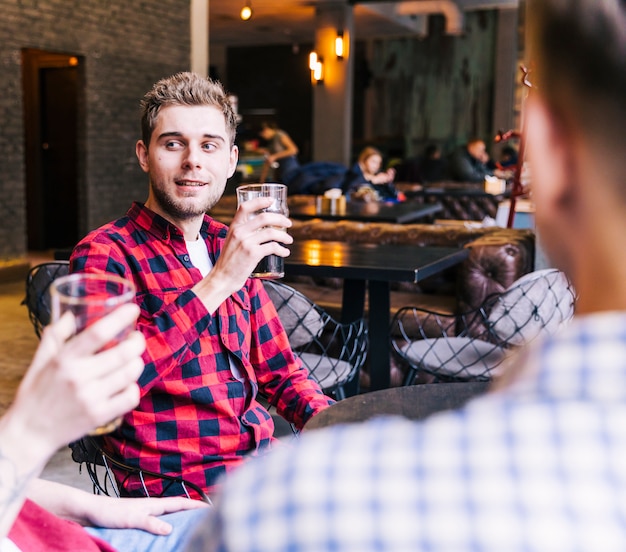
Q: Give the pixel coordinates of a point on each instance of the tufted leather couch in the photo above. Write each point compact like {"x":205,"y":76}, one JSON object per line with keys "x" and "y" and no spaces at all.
{"x":460,"y":201}
{"x":498,"y":256}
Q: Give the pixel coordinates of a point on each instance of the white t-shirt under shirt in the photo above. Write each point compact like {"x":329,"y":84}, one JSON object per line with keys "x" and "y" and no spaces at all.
{"x":199,"y":255}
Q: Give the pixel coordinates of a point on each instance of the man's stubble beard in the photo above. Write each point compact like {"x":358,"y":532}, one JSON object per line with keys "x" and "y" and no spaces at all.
{"x":177,"y":209}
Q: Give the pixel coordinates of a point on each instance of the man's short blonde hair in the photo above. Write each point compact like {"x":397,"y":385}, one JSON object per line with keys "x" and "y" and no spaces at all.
{"x":185,"y":89}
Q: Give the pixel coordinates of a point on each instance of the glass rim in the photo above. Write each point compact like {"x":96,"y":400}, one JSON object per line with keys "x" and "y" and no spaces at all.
{"x":127,"y":294}
{"x":260,"y":186}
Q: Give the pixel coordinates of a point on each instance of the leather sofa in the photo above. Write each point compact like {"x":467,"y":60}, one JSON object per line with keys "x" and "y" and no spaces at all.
{"x":498,"y":256}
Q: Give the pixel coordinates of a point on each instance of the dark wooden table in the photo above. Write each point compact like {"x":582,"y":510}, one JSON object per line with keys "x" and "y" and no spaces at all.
{"x":376,"y":265}
{"x":415,"y":402}
{"x":399,"y":213}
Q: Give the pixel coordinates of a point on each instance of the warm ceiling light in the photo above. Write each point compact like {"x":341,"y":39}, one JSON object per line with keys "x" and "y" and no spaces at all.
{"x":318,"y":71}
{"x":312,"y":60}
{"x":246,"y":12}
{"x":339,"y":45}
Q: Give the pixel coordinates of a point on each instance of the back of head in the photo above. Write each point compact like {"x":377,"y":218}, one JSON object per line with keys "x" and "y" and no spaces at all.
{"x":185,"y":89}
{"x":578,"y":64}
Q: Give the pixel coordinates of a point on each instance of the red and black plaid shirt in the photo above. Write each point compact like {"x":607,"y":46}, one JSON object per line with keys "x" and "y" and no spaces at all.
{"x":195,"y":418}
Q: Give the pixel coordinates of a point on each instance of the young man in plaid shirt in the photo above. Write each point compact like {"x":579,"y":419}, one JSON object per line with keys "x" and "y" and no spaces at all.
{"x":539,"y":464}
{"x":214,"y":340}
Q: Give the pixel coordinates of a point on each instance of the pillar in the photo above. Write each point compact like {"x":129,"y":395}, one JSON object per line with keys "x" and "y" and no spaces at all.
{"x":199,"y":36}
{"x":507,"y":71}
{"x":332,"y":100}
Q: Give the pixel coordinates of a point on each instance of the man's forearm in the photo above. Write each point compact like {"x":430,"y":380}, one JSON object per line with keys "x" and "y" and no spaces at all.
{"x":20,"y":463}
{"x":64,"y":501}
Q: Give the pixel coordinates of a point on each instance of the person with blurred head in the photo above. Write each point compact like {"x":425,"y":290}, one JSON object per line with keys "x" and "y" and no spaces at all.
{"x":538,"y":463}
{"x":366,"y":174}
{"x":469,"y":163}
{"x":508,"y":158}
{"x":281,"y":157}
{"x":70,"y":388}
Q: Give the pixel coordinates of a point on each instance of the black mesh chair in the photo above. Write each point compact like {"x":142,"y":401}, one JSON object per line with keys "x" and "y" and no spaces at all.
{"x":472,"y":345}
{"x":37,"y":298}
{"x":101,"y":466}
{"x":332,"y":352}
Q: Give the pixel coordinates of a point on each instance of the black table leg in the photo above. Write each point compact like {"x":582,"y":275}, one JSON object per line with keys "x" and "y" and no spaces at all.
{"x":379,"y":334}
{"x":352,"y":308}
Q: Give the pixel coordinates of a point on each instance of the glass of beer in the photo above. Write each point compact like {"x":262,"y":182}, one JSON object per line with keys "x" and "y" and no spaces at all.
{"x":90,"y":297}
{"x":271,"y":266}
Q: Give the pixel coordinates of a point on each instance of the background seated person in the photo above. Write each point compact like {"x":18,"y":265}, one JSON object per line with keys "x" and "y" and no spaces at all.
{"x":508,"y":158}
{"x":310,"y":178}
{"x":366,"y":173}
{"x":469,"y":163}
{"x":281,"y":153}
{"x":69,"y":389}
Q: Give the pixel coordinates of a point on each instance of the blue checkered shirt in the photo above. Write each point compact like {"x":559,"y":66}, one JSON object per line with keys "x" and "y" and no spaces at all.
{"x":539,"y":465}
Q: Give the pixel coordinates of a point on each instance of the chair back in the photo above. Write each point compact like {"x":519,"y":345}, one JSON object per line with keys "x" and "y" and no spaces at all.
{"x":108,"y":474}
{"x":37,"y":300}
{"x":537,"y":303}
{"x":472,"y":345}
{"x":332,"y":352}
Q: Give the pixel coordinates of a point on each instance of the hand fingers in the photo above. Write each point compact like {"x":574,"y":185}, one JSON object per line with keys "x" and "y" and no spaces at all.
{"x":111,"y":379}
{"x":157,"y":526}
{"x":271,"y":233}
{"x":169,"y":504}
{"x":159,"y":506}
{"x":253,"y":206}
{"x":52,"y":339}
{"x":105,"y":330}
{"x":118,"y":356}
{"x":108,"y":396}
{"x":119,"y":404}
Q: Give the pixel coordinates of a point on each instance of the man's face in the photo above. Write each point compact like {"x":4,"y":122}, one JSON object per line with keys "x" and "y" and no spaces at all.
{"x":189,"y":159}
{"x":477,"y":150}
{"x":373,"y":163}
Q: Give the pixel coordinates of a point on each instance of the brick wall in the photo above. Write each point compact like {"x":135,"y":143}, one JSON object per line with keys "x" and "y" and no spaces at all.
{"x":125,"y":46}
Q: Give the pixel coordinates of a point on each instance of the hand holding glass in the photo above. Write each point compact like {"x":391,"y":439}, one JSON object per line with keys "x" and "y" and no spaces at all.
{"x":271,"y":266}
{"x":89,"y":297}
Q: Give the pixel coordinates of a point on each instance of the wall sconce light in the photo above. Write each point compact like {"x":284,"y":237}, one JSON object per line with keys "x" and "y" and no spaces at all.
{"x":317,"y":73}
{"x":246,"y":11}
{"x":339,"y":49}
{"x":312,"y":60}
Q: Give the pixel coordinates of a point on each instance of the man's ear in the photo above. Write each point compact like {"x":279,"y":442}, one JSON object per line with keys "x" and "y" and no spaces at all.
{"x":141,"y":151}
{"x":549,"y":154}
{"x":234,"y":157}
